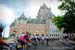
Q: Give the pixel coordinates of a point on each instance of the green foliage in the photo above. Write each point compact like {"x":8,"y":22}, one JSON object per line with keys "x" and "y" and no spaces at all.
{"x":68,"y":20}
{"x":5,"y":38}
{"x":67,"y":5}
{"x":58,"y":20}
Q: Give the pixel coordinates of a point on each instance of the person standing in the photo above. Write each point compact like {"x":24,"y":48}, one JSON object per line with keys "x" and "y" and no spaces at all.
{"x":47,"y":40}
{"x":43,"y":40}
{"x":34,"y":42}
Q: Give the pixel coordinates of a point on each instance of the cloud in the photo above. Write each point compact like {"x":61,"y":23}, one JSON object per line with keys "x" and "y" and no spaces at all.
{"x":54,"y":7}
{"x":6,"y":32}
{"x":34,"y":6}
{"x":6,"y":15}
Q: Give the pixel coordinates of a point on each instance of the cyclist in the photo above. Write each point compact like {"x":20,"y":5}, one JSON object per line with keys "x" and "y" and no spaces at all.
{"x":47,"y":40}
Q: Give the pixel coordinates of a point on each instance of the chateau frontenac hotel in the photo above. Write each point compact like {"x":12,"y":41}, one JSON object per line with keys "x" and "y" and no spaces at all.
{"x":41,"y":25}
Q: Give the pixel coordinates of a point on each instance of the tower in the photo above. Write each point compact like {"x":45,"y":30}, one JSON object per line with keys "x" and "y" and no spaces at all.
{"x":19,"y":24}
{"x":22,"y":23}
{"x":43,"y":12}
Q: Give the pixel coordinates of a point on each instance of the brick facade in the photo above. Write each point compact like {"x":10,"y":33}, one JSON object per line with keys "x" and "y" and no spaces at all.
{"x":40,"y":25}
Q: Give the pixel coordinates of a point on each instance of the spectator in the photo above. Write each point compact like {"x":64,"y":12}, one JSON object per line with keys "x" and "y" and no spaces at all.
{"x":47,"y":40}
{"x":2,"y":43}
{"x":1,"y":39}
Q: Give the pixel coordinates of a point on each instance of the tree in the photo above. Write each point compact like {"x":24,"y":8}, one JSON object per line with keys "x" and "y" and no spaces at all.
{"x":68,"y":19}
{"x":58,"y":21}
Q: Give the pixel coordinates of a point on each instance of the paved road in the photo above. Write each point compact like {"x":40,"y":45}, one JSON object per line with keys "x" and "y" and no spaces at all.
{"x":57,"y":45}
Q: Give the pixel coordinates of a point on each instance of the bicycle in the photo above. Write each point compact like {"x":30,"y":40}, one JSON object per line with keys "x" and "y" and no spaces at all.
{"x":4,"y":48}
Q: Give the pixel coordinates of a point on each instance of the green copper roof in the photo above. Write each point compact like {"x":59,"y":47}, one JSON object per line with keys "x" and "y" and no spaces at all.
{"x":37,"y":21}
{"x":44,"y":6}
{"x":13,"y":24}
{"x":22,"y":17}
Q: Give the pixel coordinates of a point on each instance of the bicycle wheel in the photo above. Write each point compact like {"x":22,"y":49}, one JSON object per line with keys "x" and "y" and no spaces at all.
{"x":5,"y":48}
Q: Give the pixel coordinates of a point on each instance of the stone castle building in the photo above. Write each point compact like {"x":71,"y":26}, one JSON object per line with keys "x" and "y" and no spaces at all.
{"x":41,"y":25}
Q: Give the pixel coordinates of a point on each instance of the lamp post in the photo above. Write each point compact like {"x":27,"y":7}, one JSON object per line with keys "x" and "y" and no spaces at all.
{"x":62,"y":33}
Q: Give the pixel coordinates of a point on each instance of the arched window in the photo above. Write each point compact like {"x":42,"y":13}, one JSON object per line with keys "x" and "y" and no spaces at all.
{"x":50,"y":34}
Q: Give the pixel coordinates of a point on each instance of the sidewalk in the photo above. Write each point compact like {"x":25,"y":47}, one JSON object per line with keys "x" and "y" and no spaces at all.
{"x":72,"y":42}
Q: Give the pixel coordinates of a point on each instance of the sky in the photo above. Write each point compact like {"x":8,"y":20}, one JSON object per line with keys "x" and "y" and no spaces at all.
{"x":34,"y":6}
{"x":12,"y":9}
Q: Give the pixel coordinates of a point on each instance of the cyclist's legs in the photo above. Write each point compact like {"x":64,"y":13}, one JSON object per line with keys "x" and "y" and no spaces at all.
{"x":1,"y":47}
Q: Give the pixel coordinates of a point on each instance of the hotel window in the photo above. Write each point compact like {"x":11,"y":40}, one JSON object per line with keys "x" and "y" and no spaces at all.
{"x":42,"y":26}
{"x":32,"y":26}
{"x":37,"y":31}
{"x":37,"y":26}
{"x":50,"y":34}
{"x":54,"y":35}
{"x":22,"y":21}
{"x":19,"y":22}
{"x":58,"y":34}
{"x":32,"y":31}
{"x":43,"y":30}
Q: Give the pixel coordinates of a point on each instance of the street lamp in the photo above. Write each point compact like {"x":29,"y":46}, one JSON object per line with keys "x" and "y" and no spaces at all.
{"x":62,"y":29}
